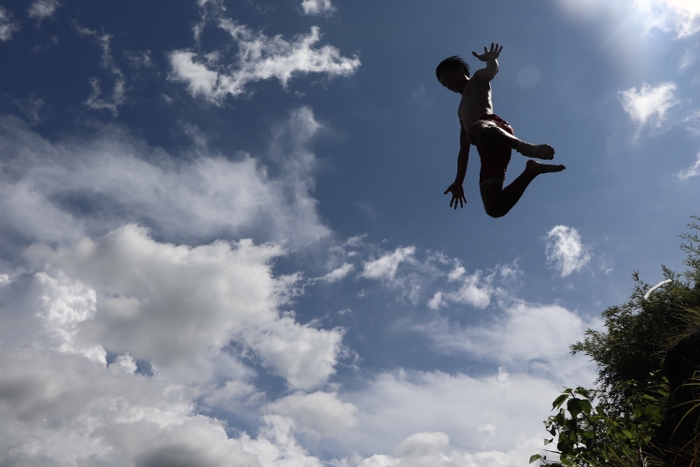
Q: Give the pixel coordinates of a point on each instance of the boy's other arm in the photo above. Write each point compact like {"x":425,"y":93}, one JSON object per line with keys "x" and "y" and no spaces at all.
{"x":456,"y":188}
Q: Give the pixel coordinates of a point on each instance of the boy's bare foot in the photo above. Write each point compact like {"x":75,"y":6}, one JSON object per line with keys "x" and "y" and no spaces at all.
{"x":538,"y":168}
{"x":538,"y":151}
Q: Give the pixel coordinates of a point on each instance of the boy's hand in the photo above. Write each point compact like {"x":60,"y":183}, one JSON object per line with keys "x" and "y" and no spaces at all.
{"x":457,"y":195}
{"x":489,"y":54}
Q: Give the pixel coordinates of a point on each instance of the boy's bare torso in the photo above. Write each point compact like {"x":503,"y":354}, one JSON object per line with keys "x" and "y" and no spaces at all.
{"x":476,"y":100}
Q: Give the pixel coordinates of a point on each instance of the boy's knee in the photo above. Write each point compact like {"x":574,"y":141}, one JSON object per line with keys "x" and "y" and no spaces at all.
{"x":494,"y":211}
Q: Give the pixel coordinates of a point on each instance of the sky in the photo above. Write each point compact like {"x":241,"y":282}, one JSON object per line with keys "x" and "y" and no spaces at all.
{"x":224,"y":239}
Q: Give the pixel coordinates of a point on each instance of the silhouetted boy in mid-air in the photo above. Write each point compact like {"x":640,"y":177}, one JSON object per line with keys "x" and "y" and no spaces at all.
{"x":492,"y":136}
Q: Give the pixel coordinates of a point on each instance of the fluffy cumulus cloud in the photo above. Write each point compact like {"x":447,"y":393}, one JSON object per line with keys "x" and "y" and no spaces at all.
{"x":317,"y":7}
{"x":648,"y":104}
{"x":82,"y":413}
{"x":175,"y":307}
{"x":565,"y":251}
{"x":116,"y":339}
{"x":42,"y":9}
{"x":60,"y":409}
{"x":259,"y":57}
{"x":59,"y":191}
{"x":7,"y":26}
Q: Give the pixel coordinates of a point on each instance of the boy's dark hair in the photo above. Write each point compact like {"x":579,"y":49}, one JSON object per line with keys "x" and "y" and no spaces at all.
{"x":452,"y":63}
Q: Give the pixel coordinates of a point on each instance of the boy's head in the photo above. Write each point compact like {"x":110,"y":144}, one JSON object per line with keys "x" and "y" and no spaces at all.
{"x":452,"y":63}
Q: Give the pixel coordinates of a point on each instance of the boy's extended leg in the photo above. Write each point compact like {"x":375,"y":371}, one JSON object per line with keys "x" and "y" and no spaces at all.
{"x":498,"y":200}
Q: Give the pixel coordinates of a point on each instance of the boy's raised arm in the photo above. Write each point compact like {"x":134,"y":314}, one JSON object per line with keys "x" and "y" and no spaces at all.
{"x":489,"y":56}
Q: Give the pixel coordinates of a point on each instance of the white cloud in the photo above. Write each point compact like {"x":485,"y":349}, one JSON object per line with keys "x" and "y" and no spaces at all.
{"x":317,"y":7}
{"x":42,"y":9}
{"x":527,"y":336}
{"x":692,"y":171}
{"x":395,"y":406}
{"x":475,"y":289}
{"x":259,"y":57}
{"x":681,"y":17}
{"x":436,"y":302}
{"x":422,"y":444}
{"x":65,"y":305}
{"x":178,"y":307}
{"x":515,"y":456}
{"x":60,"y":191}
{"x":174,"y":306}
{"x":565,"y":251}
{"x":432,"y":418}
{"x":304,"y":356}
{"x":111,"y":103}
{"x":472,"y":290}
{"x":61,"y":409}
{"x":322,"y":413}
{"x":338,"y":273}
{"x":276,"y":447}
{"x":7,"y":26}
{"x":648,"y":103}
{"x":385,"y":267}
{"x":96,"y":101}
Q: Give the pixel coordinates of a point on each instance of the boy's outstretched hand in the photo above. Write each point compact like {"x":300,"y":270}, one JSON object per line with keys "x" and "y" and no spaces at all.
{"x":489,"y":54}
{"x":457,"y":195}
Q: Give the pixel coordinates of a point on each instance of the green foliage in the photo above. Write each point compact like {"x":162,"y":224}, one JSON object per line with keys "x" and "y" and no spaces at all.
{"x":589,"y":435}
{"x":613,"y":425}
{"x":638,"y":334}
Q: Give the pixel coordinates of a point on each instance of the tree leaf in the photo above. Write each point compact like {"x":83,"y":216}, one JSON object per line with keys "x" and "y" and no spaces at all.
{"x":559,"y":401}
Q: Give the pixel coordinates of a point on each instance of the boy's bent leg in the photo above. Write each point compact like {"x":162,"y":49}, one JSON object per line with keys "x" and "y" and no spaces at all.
{"x":489,"y":133}
{"x":498,"y":200}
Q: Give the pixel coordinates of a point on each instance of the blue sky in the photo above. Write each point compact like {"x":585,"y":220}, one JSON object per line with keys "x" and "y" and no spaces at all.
{"x":224,"y":238}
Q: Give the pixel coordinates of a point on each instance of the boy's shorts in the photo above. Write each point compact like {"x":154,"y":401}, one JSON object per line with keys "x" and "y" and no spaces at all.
{"x":494,"y":160}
